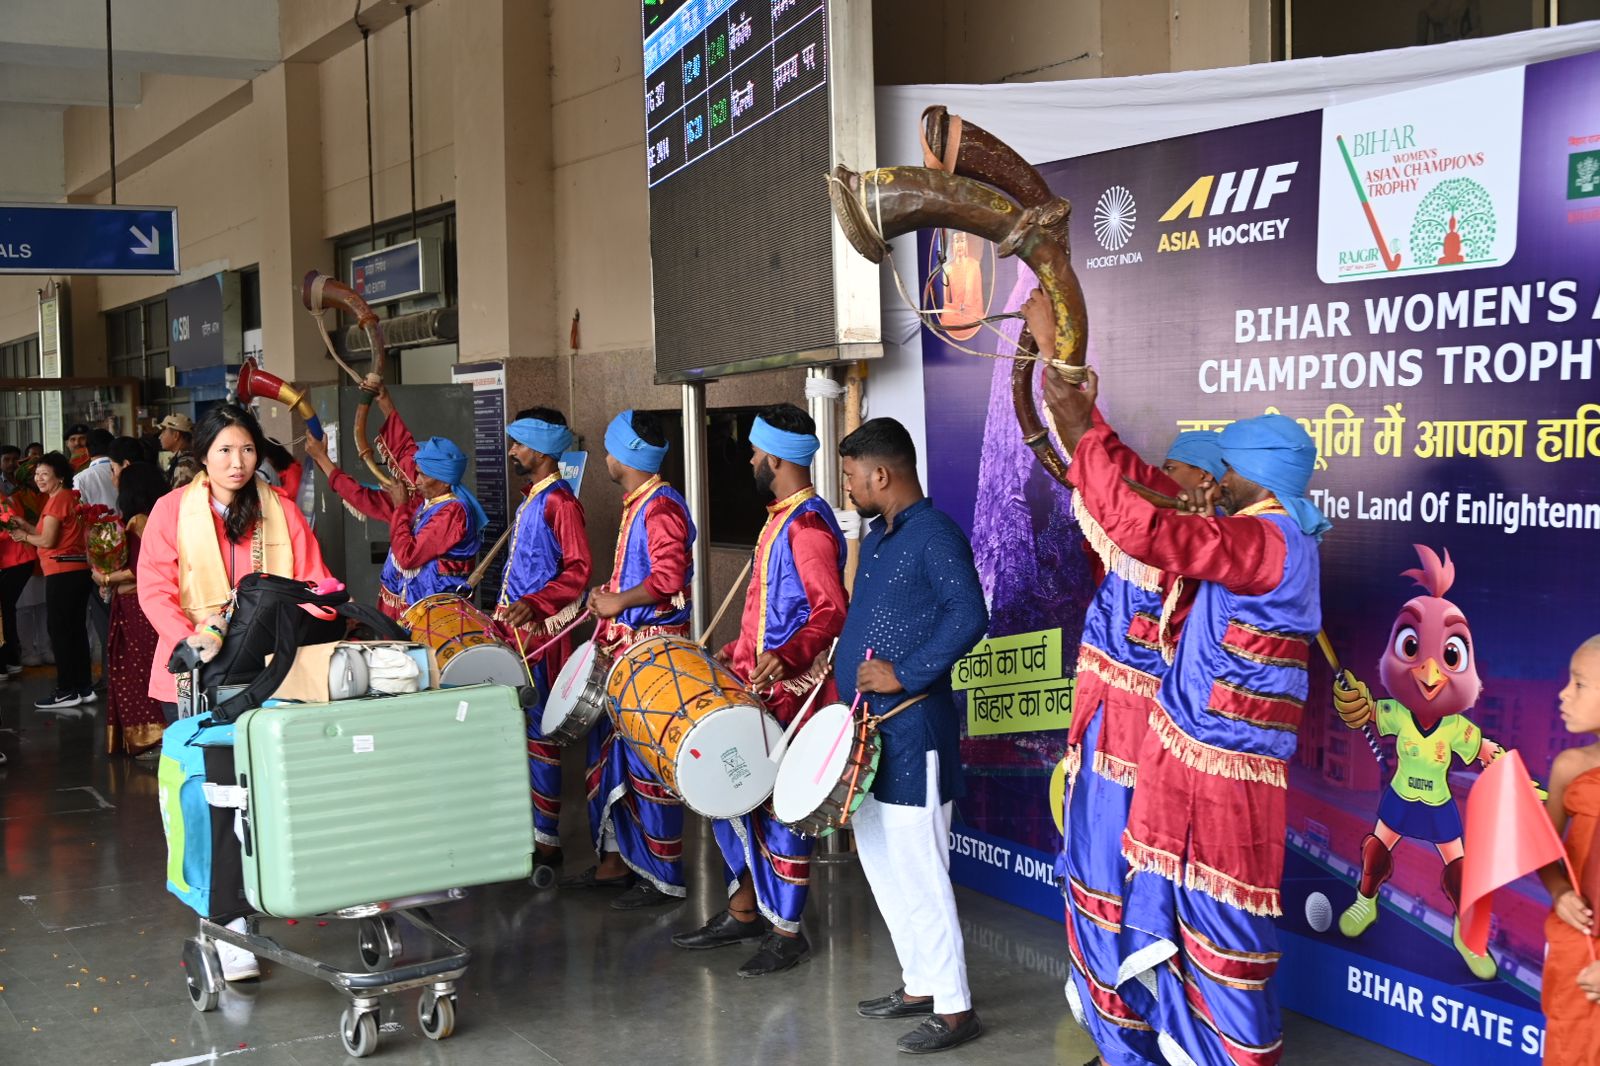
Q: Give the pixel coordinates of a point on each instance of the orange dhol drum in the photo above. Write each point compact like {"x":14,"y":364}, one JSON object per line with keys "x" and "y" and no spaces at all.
{"x":463,"y":642}
{"x":695,"y":725}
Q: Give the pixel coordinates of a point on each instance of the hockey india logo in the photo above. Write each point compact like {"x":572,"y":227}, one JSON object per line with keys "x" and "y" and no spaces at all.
{"x":1115,"y":215}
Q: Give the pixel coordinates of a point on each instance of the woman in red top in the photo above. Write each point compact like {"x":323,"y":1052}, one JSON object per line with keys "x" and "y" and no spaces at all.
{"x":17,"y":563}
{"x":67,"y":587}
{"x":188,"y":567}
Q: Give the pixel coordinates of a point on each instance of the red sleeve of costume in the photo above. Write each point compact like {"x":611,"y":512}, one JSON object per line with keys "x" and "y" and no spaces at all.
{"x":1244,"y":554}
{"x":373,"y":503}
{"x":564,"y":515}
{"x":667,"y":537}
{"x":816,"y":560}
{"x":1131,"y":465}
{"x":443,"y":532}
{"x":157,"y":573}
{"x":290,"y":480}
{"x":397,"y":438}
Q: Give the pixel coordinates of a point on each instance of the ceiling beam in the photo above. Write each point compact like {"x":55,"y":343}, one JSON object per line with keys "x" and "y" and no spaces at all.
{"x":64,"y":86}
{"x":210,"y":38}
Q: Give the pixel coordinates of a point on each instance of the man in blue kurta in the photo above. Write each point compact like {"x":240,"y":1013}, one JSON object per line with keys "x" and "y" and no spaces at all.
{"x":917,"y":608}
{"x":546,"y":574}
{"x":435,"y":522}
{"x":1206,"y":828}
{"x":793,"y":610}
{"x":637,"y":821}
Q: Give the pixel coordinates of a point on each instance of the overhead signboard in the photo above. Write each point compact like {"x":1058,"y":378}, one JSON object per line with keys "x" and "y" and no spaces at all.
{"x":88,"y":239}
{"x":398,"y":272}
{"x":204,"y":319}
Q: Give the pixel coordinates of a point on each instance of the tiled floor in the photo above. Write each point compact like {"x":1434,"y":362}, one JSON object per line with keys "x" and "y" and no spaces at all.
{"x":90,"y":943}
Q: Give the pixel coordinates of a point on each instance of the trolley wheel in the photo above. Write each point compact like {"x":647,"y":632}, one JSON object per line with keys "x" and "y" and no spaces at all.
{"x":380,"y":942}
{"x":358,"y":1032}
{"x":543,"y":877}
{"x":202,"y":973}
{"x":436,"y":1015}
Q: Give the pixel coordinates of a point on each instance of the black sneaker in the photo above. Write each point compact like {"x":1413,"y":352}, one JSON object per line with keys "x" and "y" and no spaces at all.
{"x":935,"y":1034}
{"x":778,"y":953}
{"x":88,"y":695}
{"x":58,"y":701}
{"x":720,"y":931}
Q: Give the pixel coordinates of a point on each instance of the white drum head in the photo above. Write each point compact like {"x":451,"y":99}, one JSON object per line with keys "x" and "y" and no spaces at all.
{"x":484,"y":664}
{"x":798,"y":792}
{"x":569,"y":685}
{"x":723,"y":769}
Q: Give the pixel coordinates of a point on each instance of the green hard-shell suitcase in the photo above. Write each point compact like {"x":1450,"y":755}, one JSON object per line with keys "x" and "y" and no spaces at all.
{"x":368,"y":800}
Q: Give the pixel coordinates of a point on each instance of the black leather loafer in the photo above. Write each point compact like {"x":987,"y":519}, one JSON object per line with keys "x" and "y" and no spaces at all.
{"x":894,"y":1005}
{"x":720,"y":931}
{"x":934,"y":1035}
{"x":778,"y":953}
{"x":587,"y":879}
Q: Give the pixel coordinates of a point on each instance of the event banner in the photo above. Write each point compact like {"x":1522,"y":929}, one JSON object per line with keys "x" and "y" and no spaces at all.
{"x":1414,"y":278}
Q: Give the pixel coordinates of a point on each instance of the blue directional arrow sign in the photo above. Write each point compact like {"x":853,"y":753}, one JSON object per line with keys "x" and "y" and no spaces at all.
{"x":88,"y":239}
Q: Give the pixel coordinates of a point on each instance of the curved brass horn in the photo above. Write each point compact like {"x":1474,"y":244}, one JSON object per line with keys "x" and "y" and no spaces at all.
{"x":875,"y":207}
{"x":318,"y":292}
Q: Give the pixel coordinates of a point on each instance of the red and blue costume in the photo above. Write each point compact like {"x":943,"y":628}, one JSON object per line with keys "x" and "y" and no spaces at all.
{"x":1129,"y":633}
{"x":795,"y":607}
{"x":1206,"y":825}
{"x":630,"y":809}
{"x":548,"y":568}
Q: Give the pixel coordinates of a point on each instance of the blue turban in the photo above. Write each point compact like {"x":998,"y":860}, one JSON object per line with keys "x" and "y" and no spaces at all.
{"x":1277,"y":454}
{"x":543,"y":437}
{"x":626,"y":447}
{"x":440,"y":459}
{"x":1199,"y":448}
{"x":797,"y":448}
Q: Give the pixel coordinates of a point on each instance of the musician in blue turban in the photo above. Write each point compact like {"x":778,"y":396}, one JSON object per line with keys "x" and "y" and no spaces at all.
{"x":1206,"y":826}
{"x":435,"y":522}
{"x":637,"y":821}
{"x":547,"y":571}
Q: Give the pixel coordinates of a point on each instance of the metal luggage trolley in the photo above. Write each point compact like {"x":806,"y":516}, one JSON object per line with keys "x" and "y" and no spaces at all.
{"x":380,"y":942}
{"x":379,"y":939}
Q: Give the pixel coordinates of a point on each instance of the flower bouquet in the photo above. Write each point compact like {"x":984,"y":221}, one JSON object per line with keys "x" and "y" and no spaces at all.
{"x":104,"y":538}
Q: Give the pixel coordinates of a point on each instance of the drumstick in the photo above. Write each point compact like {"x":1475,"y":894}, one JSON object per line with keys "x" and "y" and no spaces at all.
{"x":783,"y":744}
{"x":516,"y":631}
{"x":727,"y":601}
{"x":483,"y":566}
{"x":843,"y":729}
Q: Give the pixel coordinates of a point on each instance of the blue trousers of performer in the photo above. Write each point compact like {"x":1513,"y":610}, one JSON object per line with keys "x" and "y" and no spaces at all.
{"x":544,"y":769}
{"x":777,"y":858}
{"x":1213,"y":964}
{"x":1094,"y":873}
{"x":632,"y":812}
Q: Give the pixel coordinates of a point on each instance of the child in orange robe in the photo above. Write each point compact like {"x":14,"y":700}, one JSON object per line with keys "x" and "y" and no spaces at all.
{"x":1571,"y":996}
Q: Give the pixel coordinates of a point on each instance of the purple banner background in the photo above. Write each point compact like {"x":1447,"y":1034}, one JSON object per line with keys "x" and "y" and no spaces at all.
{"x":1528,"y":595}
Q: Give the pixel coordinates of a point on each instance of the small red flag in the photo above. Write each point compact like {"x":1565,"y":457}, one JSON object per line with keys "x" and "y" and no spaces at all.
{"x":1508,"y":836}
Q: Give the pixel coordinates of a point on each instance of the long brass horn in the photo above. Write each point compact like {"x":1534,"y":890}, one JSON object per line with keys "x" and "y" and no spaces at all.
{"x":318,"y":292}
{"x":875,"y":207}
{"x":255,"y":383}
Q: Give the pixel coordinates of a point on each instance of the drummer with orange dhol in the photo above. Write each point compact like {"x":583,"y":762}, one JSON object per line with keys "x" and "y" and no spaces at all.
{"x":435,"y":532}
{"x":638,"y":822}
{"x":794,"y":609}
{"x":547,"y":571}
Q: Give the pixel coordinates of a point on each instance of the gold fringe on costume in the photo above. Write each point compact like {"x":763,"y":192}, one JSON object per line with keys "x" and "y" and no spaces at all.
{"x":1091,"y":660}
{"x":1218,"y":762}
{"x":1253,"y":899}
{"x":562,"y":618}
{"x":1114,"y":559}
{"x":1169,"y":647}
{"x":1115,"y":770}
{"x":1073,"y":761}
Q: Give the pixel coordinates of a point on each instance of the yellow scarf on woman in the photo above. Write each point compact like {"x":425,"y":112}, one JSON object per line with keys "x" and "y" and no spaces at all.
{"x":203,"y":585}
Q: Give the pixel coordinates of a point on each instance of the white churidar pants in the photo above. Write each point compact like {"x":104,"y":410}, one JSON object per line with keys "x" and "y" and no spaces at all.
{"x":905,"y":853}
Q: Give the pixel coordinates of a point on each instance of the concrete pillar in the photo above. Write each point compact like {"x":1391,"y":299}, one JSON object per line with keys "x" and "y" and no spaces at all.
{"x":287,"y":100}
{"x":505,"y":263}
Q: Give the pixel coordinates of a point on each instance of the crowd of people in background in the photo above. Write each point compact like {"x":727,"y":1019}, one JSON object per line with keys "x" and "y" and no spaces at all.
{"x":59,"y":609}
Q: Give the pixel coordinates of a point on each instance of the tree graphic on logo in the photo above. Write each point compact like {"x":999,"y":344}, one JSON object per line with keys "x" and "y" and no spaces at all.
{"x":1453,"y":224}
{"x":1586,"y":168}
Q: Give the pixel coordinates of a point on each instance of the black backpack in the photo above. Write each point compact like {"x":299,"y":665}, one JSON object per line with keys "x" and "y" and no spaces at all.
{"x":267,"y":617}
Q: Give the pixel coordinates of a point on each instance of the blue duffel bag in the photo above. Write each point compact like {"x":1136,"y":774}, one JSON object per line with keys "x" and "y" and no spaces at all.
{"x":204,"y":868}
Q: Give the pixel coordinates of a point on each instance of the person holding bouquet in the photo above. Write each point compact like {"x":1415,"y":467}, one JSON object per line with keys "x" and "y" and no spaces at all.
{"x":59,"y":536}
